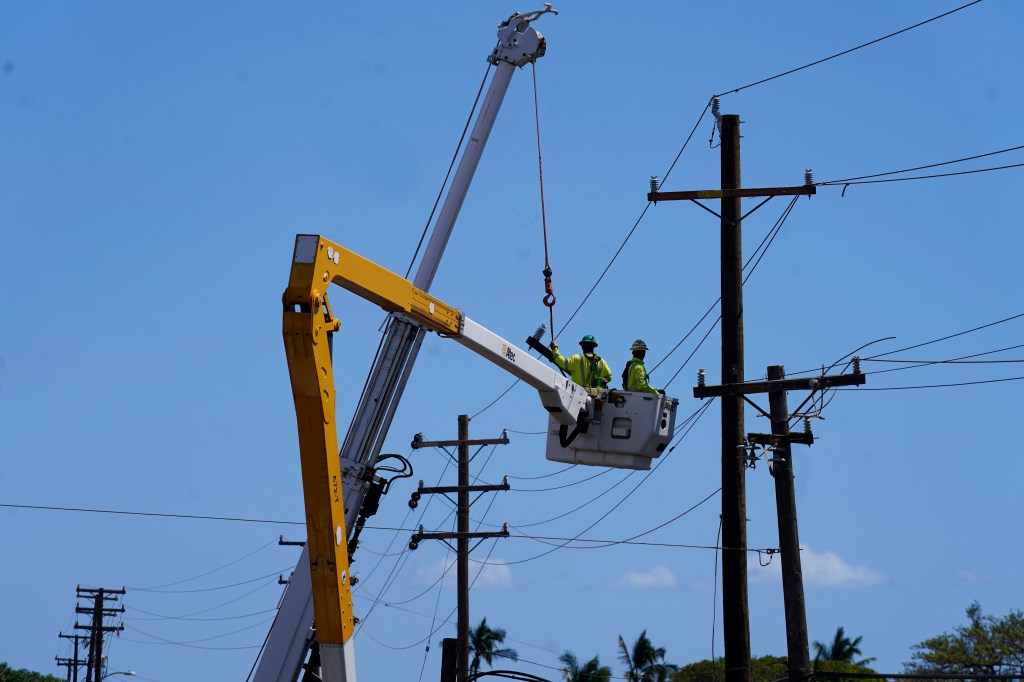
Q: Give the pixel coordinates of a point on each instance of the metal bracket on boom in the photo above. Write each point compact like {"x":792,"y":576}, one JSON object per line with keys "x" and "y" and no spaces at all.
{"x":518,"y":43}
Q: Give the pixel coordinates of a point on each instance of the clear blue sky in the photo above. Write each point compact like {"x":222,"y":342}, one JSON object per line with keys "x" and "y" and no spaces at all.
{"x":158,"y":159}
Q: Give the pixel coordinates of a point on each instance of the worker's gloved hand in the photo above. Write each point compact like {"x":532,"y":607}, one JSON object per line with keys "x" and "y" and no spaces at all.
{"x":661,"y":391}
{"x":553,"y":346}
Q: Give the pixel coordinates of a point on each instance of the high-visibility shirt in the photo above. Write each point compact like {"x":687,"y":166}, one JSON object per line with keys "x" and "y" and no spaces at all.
{"x":589,"y":370}
{"x":635,"y":377}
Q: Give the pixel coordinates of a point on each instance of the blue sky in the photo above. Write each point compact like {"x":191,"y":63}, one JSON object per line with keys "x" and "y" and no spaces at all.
{"x":159,"y":159}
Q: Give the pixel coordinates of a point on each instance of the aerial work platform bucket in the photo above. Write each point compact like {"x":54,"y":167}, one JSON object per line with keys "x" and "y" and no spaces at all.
{"x":623,"y":429}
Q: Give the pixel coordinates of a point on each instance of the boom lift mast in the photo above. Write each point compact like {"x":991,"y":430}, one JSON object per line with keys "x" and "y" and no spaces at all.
{"x":289,"y":636}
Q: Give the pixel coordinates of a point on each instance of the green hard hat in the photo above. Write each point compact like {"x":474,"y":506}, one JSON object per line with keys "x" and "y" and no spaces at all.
{"x":589,"y":338}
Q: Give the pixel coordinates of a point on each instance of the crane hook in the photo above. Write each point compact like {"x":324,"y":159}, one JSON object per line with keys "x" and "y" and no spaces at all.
{"x":549,"y":293}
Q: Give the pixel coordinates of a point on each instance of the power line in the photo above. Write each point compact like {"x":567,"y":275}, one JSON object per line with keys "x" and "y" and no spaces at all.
{"x":635,"y":225}
{"x":911,"y":388}
{"x":387,"y":586}
{"x":614,"y":507}
{"x":455,"y":156}
{"x":203,"y":575}
{"x":615,"y":256}
{"x":923,"y":177}
{"x":155,"y":514}
{"x":561,"y":487}
{"x":928,"y":363}
{"x":946,"y":338}
{"x":842,"y":181}
{"x":158,"y":616}
{"x":754,"y":258}
{"x":962,"y":360}
{"x":209,"y":589}
{"x":875,"y":358}
{"x":222,"y":605}
{"x":852,"y":49}
{"x":161,"y":640}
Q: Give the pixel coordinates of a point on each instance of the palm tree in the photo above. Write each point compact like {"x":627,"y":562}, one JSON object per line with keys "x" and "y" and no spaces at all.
{"x":483,"y":644}
{"x":591,"y":671}
{"x":842,"y":649}
{"x":645,"y":663}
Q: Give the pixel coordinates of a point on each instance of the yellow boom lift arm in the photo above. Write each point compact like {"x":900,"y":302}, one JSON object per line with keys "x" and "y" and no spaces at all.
{"x":609,"y":428}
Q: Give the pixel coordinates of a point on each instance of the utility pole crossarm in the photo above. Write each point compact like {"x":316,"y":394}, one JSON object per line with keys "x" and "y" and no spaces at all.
{"x":416,"y":444}
{"x":503,"y":533}
{"x":809,"y":384}
{"x":691,"y":195}
{"x":469,"y":488}
{"x":775,"y":439}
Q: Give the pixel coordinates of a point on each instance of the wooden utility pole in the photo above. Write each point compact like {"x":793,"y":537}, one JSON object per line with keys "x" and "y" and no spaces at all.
{"x":449,"y":652}
{"x":735,"y":616}
{"x":781,"y":441}
{"x":98,"y":611}
{"x":463,"y":549}
{"x":789,"y":538}
{"x":71,"y":663}
{"x":463,"y":534}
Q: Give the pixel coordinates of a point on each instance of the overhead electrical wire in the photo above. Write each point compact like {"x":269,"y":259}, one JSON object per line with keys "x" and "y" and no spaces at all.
{"x":433,"y":617}
{"x":754,"y":258}
{"x":439,"y":581}
{"x":222,"y":605}
{"x":924,"y":177}
{"x":694,"y":416}
{"x":154,"y":514}
{"x":402,"y":557}
{"x":945,"y":338}
{"x":447,"y":619}
{"x":912,"y":388}
{"x":601,"y":544}
{"x":158,"y":616}
{"x":400,"y":563}
{"x":636,"y":224}
{"x":603,"y":516}
{"x":455,"y":156}
{"x":190,"y":645}
{"x":852,"y":49}
{"x":567,"y":485}
{"x":958,"y":361}
{"x":843,"y":181}
{"x":210,"y":589}
{"x":220,"y":568}
{"x":614,"y":257}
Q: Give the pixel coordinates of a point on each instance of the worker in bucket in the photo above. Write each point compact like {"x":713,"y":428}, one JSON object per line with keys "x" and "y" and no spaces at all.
{"x":634,"y":377}
{"x":588,"y":369}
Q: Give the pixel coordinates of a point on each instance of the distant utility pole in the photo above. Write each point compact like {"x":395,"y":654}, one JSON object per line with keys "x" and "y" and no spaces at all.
{"x":72,"y":664}
{"x":463,"y":536}
{"x":780,"y":441}
{"x":735,"y":614}
{"x":98,"y":611}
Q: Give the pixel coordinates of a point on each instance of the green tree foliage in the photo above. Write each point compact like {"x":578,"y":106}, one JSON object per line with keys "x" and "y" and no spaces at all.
{"x":9,"y":674}
{"x":986,"y":645}
{"x":762,"y":669}
{"x":842,"y":649}
{"x":485,"y":644}
{"x":644,"y":662}
{"x":591,"y":671}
